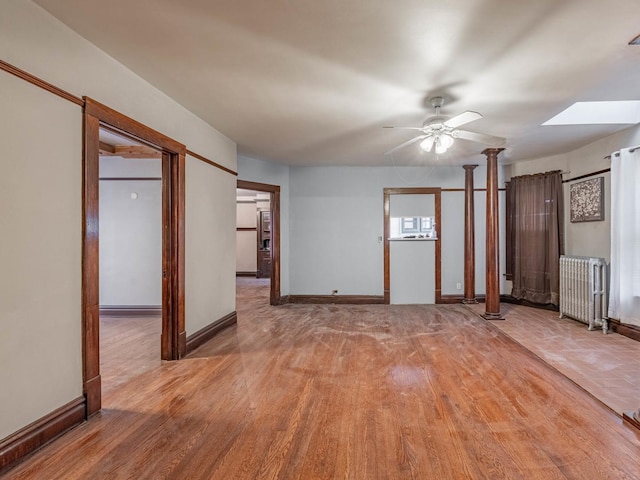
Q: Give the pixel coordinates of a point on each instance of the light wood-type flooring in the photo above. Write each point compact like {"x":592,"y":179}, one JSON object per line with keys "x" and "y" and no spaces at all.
{"x":345,"y":391}
{"x":606,"y":366}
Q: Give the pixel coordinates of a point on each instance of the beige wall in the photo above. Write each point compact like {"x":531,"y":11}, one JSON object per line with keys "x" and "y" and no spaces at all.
{"x":35,"y":41}
{"x":246,"y":251}
{"x":40,"y":343}
{"x":591,"y":239}
{"x":246,"y":241}
{"x":210,"y":248}
{"x":40,"y":253}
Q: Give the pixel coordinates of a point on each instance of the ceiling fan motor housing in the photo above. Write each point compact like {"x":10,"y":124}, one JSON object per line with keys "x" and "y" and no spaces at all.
{"x":436,"y":122}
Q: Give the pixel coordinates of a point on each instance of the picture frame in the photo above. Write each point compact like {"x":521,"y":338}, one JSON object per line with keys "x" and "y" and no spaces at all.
{"x":586,"y":200}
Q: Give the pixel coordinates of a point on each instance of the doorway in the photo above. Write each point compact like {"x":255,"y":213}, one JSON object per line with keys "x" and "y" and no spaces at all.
{"x":99,"y":117}
{"x":266,"y":236}
{"x":130,"y":251}
{"x":417,"y":255}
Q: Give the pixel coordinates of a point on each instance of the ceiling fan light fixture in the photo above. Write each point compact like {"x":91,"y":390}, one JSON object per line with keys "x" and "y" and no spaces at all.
{"x":440,"y":133}
{"x":446,"y":140}
{"x":442,"y":142}
{"x":440,"y":148}
{"x":427,"y":143}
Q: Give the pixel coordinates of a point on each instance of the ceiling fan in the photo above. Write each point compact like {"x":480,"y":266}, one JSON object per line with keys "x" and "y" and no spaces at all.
{"x":439,"y":132}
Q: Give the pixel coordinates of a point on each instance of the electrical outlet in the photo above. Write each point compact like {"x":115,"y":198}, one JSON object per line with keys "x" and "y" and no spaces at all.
{"x":459,"y":286}
{"x":334,"y":292}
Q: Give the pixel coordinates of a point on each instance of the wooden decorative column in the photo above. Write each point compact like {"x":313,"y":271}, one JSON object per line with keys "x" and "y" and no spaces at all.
{"x":492,"y":305}
{"x":469,"y":237}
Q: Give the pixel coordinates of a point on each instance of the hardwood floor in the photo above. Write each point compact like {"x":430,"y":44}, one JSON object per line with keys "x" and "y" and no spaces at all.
{"x":607,"y":366}
{"x":345,"y":391}
{"x":128,"y":347}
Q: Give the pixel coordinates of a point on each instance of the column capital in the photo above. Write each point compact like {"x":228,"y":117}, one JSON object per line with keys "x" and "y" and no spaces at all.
{"x":469,"y":167}
{"x":492,"y":151}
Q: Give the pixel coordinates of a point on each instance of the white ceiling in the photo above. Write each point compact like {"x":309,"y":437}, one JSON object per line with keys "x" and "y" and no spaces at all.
{"x":308,"y":82}
{"x":111,"y":138}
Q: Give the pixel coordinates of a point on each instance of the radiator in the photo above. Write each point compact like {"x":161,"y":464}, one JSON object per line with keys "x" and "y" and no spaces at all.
{"x":583,"y":292}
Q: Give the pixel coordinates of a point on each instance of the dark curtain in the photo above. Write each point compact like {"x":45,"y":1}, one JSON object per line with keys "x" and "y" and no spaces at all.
{"x":536,"y":236}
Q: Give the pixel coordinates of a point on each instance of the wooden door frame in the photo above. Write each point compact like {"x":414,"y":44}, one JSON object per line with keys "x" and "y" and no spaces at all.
{"x":438,"y":261}
{"x":173,"y":339}
{"x":275,"y":297}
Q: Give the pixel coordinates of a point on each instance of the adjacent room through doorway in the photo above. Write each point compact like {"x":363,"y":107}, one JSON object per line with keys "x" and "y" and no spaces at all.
{"x":130,"y":246}
{"x":253,"y":244}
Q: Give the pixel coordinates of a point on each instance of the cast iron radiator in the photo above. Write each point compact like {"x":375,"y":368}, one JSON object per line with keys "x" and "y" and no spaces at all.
{"x":583,"y":293}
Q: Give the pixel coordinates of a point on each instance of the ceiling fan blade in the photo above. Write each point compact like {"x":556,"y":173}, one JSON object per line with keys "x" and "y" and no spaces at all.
{"x":403,"y":128}
{"x":405,"y":144}
{"x":479,"y":137}
{"x":462,"y":119}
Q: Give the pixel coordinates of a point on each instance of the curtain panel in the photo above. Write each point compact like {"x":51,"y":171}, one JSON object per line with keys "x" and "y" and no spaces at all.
{"x":536,"y":236}
{"x":624,"y":294}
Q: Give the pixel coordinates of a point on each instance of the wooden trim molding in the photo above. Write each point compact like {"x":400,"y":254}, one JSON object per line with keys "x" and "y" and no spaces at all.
{"x":456,"y":298}
{"x":133,"y":311}
{"x":525,"y":303}
{"x":246,"y":229}
{"x":260,"y":187}
{"x":337,"y":299}
{"x":120,"y":123}
{"x":463,"y":189}
{"x":450,"y":299}
{"x":207,"y":333}
{"x":586,"y":175}
{"x":211,"y":162}
{"x":42,"y":431}
{"x":626,"y":329}
{"x":38,"y":82}
{"x":173,"y":339}
{"x":386,"y":232}
{"x":90,"y":264}
{"x":274,"y":209}
{"x":130,"y":179}
{"x":387,"y":192}
{"x":246,"y":274}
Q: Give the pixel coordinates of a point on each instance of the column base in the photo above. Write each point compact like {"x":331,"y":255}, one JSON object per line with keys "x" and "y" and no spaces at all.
{"x":492,"y":316}
{"x":633,"y":418}
{"x":468,"y":301}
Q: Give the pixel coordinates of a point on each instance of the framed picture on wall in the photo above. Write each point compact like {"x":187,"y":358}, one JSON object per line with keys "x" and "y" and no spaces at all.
{"x":586,"y":200}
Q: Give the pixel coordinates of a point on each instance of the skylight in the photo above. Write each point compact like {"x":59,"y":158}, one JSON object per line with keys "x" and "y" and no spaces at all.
{"x":598,"y":113}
